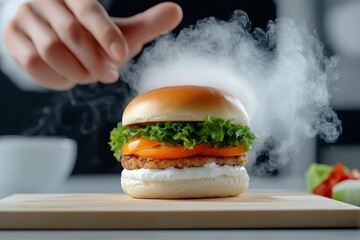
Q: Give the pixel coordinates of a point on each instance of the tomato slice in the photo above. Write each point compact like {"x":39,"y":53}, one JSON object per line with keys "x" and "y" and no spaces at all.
{"x":225,"y":151}
{"x":151,"y":149}
{"x":170,"y":152}
{"x":140,"y":143}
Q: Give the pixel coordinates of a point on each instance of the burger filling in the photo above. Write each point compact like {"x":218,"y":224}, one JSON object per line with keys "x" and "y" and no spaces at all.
{"x":135,"y":162}
{"x":181,"y":144}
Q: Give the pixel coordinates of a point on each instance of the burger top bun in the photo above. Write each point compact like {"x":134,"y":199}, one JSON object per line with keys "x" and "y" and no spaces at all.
{"x":184,"y":104}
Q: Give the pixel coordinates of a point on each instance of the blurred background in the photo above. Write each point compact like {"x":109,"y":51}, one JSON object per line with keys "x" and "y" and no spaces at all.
{"x":336,"y":25}
{"x":54,"y":114}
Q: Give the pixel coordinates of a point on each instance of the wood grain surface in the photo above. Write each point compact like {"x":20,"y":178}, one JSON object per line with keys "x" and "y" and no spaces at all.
{"x":119,"y":211}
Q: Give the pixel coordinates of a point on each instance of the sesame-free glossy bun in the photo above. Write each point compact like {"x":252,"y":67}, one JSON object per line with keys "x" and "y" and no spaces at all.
{"x":184,"y":104}
{"x":220,"y":186}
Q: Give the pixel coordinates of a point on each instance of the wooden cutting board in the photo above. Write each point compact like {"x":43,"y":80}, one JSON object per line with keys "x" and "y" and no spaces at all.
{"x":118,"y":211}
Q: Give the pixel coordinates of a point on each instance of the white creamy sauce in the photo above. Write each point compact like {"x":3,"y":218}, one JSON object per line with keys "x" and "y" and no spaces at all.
{"x":209,"y":170}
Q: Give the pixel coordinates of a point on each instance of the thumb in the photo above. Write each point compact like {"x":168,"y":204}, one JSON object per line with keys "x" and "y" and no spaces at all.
{"x":146,"y":26}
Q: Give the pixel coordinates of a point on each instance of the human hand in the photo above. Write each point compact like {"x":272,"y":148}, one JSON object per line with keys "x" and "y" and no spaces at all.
{"x":62,"y":43}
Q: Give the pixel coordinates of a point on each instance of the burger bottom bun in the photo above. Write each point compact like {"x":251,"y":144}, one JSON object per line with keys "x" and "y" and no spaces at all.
{"x":221,"y":186}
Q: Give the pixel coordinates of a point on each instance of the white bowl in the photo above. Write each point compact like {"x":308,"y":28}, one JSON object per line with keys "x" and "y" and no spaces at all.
{"x":34,"y":164}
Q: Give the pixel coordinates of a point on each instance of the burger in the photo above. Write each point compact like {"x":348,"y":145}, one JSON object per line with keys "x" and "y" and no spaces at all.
{"x":183,"y":142}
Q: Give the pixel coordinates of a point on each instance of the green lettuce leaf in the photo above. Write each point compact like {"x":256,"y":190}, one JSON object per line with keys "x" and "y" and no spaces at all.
{"x":214,"y":132}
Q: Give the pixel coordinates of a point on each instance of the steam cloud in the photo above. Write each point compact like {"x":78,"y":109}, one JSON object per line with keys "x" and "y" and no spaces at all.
{"x":280,"y":74}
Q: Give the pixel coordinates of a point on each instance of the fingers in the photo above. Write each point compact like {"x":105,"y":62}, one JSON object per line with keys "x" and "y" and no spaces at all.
{"x":146,"y":26}
{"x":25,"y":54}
{"x":78,"y":40}
{"x":61,"y":43}
{"x":95,"y":19}
{"x":50,"y":47}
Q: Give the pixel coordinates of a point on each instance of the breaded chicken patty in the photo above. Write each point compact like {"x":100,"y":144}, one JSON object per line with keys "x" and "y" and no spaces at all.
{"x":135,"y":162}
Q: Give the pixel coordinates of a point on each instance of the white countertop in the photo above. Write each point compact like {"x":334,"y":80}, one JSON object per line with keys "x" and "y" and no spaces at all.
{"x":111,"y":184}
